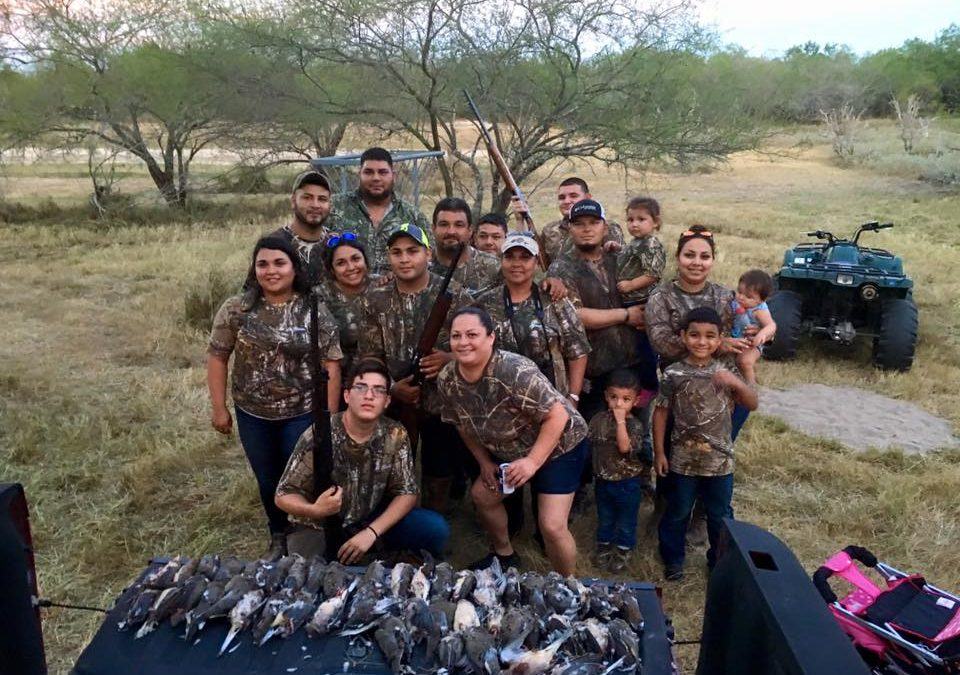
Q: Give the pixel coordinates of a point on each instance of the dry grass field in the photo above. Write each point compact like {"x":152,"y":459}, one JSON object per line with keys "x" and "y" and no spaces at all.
{"x":104,"y":416}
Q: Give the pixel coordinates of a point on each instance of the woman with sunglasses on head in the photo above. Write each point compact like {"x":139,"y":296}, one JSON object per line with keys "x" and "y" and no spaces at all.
{"x":267,"y":330}
{"x":345,"y":259}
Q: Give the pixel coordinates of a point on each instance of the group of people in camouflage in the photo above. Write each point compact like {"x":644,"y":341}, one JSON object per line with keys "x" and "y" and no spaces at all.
{"x":593,"y":368}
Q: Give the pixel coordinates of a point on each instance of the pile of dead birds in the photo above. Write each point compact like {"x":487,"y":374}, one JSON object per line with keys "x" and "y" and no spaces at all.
{"x":481,"y":622}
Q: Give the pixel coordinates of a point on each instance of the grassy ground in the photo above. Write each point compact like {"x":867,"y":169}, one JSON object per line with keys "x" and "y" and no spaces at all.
{"x":103,"y":409}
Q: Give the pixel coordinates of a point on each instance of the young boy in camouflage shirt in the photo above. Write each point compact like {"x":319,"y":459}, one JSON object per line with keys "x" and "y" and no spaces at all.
{"x":620,"y":468}
{"x":700,"y":392}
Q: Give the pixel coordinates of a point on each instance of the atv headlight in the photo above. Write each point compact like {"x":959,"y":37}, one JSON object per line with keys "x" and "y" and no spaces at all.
{"x":845,"y":279}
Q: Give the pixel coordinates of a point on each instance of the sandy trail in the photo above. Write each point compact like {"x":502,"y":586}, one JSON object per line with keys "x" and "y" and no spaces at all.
{"x":857,"y":418}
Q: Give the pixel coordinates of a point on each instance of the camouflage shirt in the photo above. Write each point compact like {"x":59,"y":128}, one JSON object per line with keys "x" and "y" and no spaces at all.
{"x":504,"y":409}
{"x":390,"y":325}
{"x":667,"y":306}
{"x":700,"y":444}
{"x":478,"y":273}
{"x":271,"y":353}
{"x":348,"y":213}
{"x":311,"y":252}
{"x":608,"y":462}
{"x":558,"y":337}
{"x":641,"y":257}
{"x":594,"y":285}
{"x":555,"y":238}
{"x":370,"y":473}
{"x":346,"y":312}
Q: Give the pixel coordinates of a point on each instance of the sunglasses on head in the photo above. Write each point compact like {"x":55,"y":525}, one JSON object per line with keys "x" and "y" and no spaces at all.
{"x":345,"y":237}
{"x":706,"y":234}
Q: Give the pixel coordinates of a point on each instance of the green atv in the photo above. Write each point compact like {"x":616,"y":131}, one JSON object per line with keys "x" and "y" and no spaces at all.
{"x":839,"y":290}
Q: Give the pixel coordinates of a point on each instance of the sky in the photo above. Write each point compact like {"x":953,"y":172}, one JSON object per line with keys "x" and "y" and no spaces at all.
{"x":767,"y":28}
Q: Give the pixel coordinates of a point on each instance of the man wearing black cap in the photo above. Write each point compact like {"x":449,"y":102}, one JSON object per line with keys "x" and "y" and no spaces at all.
{"x":392,"y":317}
{"x":307,"y":230}
{"x":590,"y":274}
{"x":373,"y":211}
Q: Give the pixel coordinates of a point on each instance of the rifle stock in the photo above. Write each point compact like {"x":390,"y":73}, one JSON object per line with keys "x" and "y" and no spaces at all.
{"x":435,"y":320}
{"x":505,"y":174}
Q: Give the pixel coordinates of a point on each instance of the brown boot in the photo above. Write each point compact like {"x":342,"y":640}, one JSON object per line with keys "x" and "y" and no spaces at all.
{"x":435,"y":494}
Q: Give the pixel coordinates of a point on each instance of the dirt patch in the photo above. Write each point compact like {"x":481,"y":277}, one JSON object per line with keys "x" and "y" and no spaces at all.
{"x":858,"y":419}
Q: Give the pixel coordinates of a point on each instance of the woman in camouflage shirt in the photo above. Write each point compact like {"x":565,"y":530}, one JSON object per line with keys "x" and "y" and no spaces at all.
{"x":349,"y":277}
{"x":670,"y":302}
{"x":267,"y":329}
{"x":512,"y":418}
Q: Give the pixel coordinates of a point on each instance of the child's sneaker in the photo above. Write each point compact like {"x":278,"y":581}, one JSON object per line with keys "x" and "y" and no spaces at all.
{"x":620,"y":560}
{"x":673,"y":572}
{"x":602,"y":555}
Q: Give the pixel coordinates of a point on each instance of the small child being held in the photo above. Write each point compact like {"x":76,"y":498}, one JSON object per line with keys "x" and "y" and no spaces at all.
{"x":640,"y":264}
{"x":700,"y":392}
{"x":749,"y":307}
{"x":621,"y":470}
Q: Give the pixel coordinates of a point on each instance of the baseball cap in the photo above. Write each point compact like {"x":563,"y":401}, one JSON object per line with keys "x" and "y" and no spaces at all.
{"x":587,"y":207}
{"x":412,"y":231}
{"x":522,"y":240}
{"x":310,"y":177}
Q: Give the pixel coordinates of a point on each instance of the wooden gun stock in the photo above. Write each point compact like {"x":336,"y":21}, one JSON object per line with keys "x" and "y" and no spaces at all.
{"x":436,"y":319}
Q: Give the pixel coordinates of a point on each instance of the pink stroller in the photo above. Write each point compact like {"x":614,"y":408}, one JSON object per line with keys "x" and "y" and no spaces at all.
{"x":907,"y":627}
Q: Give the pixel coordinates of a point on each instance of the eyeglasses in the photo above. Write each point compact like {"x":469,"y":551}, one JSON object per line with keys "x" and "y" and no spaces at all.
{"x":378,"y":390}
{"x":706,"y":234}
{"x":337,"y":238}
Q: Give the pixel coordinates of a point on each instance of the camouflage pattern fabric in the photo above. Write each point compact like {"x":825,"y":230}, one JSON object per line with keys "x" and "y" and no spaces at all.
{"x":369,"y":473}
{"x":555,"y":241}
{"x":271,"y":353}
{"x":667,"y":306}
{"x":349,"y":214}
{"x":390,"y":325}
{"x":311,"y":252}
{"x":478,"y":273}
{"x":608,"y":462}
{"x":504,"y":409}
{"x":346,"y":312}
{"x":560,"y":335}
{"x":641,"y":257}
{"x":593,"y":285}
{"x":700,"y":444}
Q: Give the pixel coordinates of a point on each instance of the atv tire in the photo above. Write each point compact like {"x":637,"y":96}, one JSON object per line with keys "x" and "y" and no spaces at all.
{"x":786,"y":307}
{"x":894,"y":346}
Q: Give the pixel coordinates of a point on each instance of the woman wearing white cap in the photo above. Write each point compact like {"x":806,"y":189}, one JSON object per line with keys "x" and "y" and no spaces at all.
{"x":548,"y":332}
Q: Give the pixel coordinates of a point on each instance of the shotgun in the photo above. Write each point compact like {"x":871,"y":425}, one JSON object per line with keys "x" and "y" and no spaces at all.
{"x":494,"y":153}
{"x":435,"y":320}
{"x":322,"y":441}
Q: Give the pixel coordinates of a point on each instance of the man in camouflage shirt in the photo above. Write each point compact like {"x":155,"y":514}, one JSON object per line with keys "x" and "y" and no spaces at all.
{"x":452,"y":228}
{"x":701,"y":392}
{"x":373,"y":211}
{"x":392,"y":318}
{"x":307,"y":231}
{"x":590,"y":274}
{"x":374,"y":488}
{"x":555,"y":236}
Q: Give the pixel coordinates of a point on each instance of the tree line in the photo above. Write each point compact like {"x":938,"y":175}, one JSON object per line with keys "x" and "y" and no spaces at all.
{"x":612,"y":80}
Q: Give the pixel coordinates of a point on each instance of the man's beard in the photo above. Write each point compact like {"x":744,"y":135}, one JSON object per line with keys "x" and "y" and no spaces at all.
{"x":307,"y":224}
{"x":587,"y":248}
{"x":377,"y":199}
{"x":449,"y":249}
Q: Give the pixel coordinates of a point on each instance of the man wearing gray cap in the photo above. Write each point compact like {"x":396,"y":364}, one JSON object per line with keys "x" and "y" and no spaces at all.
{"x":307,"y":229}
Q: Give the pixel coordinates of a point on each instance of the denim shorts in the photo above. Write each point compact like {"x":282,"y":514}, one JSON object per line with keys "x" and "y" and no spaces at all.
{"x":561,"y":475}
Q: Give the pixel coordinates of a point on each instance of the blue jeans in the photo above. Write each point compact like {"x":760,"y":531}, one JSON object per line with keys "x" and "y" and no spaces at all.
{"x":617,"y":504}
{"x":419,"y":529}
{"x":268,"y":445}
{"x":714,"y":493}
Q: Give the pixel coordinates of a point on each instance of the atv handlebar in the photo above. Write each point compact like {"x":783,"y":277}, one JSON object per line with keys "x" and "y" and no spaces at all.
{"x":872,"y":226}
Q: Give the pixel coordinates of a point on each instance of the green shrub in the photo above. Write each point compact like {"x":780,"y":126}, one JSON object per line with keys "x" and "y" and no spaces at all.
{"x":200,"y":304}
